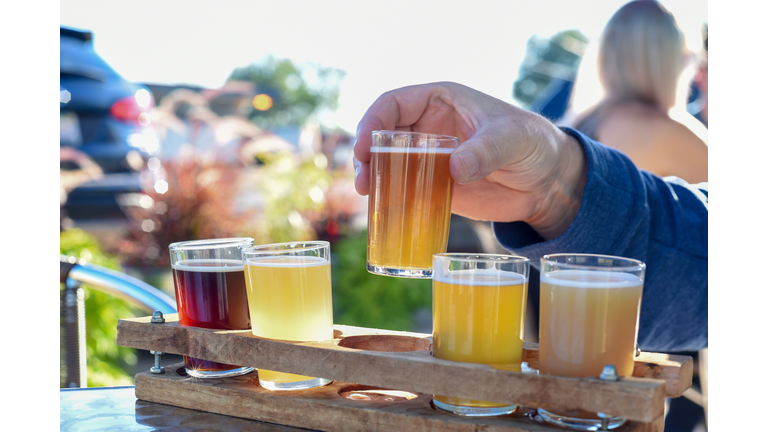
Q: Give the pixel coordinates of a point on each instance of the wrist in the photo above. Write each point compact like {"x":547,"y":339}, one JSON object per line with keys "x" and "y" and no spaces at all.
{"x":562,"y":199}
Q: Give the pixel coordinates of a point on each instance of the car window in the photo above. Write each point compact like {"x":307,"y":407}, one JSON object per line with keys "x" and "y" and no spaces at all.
{"x":79,"y":58}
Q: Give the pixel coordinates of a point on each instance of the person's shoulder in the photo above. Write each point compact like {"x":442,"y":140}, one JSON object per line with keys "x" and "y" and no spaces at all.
{"x":629,"y":125}
{"x":650,"y":127}
{"x":680,"y":125}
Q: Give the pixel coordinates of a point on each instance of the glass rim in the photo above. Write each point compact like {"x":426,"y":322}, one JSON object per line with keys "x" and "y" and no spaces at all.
{"x":219,"y":243}
{"x":436,"y":137}
{"x":479,"y":257}
{"x":272,"y":248}
{"x":634,"y":264}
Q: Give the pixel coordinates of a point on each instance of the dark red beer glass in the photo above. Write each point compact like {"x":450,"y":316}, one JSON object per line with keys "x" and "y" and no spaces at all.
{"x":210,"y":293}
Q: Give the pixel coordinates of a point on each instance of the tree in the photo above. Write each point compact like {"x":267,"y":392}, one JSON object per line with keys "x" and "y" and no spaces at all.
{"x":294,"y":92}
{"x":546,"y":61}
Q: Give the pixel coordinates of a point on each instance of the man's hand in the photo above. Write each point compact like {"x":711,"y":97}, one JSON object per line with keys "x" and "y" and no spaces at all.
{"x":511,"y":165}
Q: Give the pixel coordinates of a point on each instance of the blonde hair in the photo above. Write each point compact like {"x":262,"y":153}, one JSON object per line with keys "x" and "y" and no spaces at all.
{"x":640,"y":56}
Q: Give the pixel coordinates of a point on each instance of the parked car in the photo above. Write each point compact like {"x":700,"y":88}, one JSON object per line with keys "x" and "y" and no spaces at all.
{"x":105,"y":120}
{"x":102,"y":114}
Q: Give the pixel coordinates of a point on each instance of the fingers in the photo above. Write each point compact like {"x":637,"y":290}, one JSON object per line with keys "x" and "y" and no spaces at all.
{"x":398,"y":109}
{"x":362,"y":177}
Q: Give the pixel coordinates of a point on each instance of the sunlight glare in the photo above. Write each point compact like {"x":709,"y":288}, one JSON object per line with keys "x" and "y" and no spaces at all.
{"x":262,"y":102}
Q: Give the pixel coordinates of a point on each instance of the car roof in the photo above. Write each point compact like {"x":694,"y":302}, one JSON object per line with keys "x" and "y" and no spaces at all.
{"x":83,"y":35}
{"x":77,"y":57}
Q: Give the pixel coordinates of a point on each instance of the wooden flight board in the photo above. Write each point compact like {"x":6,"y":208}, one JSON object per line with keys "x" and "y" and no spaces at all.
{"x":363,"y":360}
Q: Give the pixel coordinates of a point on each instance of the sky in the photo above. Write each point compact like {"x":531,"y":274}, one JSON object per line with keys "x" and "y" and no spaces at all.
{"x":381,"y":45}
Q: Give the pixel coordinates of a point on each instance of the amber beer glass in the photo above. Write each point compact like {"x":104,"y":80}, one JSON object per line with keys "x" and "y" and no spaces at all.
{"x":409,"y":207}
{"x":210,"y":293}
{"x":478,"y":311}
{"x":589,"y":314}
{"x":289,"y":293}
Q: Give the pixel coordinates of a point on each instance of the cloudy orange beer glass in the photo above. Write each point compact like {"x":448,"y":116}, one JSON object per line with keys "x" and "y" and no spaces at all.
{"x":589,"y":312}
{"x":409,"y":207}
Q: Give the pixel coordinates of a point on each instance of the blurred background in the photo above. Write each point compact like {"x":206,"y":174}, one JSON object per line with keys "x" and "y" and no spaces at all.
{"x":184,"y":120}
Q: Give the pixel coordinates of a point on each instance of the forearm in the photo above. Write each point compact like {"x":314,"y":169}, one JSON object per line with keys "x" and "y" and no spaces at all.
{"x":634,"y":214}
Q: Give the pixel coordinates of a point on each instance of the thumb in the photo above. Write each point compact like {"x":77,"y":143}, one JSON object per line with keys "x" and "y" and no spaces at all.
{"x":478,"y":157}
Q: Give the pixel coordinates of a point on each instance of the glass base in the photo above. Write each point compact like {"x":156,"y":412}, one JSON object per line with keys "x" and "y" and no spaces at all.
{"x":399,"y":272}
{"x":582,"y":423}
{"x":295,"y":385}
{"x":473,"y":411}
{"x":219,"y":374}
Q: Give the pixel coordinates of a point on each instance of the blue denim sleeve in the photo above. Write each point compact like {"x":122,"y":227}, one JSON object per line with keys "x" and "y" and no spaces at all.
{"x":632,"y":213}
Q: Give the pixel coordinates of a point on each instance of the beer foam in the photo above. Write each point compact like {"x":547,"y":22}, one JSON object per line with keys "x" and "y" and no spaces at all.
{"x":591,"y":279}
{"x":287,"y":261}
{"x":480,"y":278}
{"x":209,"y":265}
{"x":414,"y":150}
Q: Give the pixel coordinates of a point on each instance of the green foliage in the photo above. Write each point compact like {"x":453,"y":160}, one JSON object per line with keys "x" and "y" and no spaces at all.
{"x":545,"y":59}
{"x":107,"y":363}
{"x":366,"y":300}
{"x":297,"y":91}
{"x":290,"y":185}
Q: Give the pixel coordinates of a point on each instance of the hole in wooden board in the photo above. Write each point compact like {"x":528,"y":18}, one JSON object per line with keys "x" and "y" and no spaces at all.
{"x":363,"y":393}
{"x":385,"y":343}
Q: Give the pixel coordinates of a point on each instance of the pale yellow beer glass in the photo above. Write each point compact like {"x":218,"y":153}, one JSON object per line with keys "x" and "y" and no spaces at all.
{"x":289,"y":298}
{"x":589,"y":315}
{"x":409,"y":207}
{"x":478,"y":311}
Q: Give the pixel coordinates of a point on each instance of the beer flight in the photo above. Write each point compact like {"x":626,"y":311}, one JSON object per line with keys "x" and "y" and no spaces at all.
{"x":589,"y":308}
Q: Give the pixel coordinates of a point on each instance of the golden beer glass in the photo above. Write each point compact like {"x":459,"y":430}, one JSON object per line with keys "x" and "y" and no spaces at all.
{"x":409,"y":207}
{"x":589,"y":315}
{"x":289,"y":297}
{"x":478,"y":311}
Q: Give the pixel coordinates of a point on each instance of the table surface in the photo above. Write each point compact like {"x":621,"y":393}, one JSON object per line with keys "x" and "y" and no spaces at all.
{"x":116,"y":408}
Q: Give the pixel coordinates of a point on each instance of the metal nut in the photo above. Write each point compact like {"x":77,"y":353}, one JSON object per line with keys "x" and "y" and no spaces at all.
{"x":157,"y":317}
{"x":609,"y":373}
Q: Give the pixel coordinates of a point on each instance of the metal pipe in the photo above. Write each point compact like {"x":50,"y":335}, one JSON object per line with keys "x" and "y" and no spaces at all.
{"x":123,"y":286}
{"x":74,"y":272}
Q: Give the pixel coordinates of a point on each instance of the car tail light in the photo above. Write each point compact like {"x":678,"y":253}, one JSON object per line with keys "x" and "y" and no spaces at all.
{"x":134,"y":109}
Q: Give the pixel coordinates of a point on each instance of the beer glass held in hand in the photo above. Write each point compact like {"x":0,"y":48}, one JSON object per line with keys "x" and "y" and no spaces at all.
{"x":478,"y":311}
{"x":589,"y":312}
{"x":289,"y":294}
{"x":210,"y":293}
{"x":409,"y":207}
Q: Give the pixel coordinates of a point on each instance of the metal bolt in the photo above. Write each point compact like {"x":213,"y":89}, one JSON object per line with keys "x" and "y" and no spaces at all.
{"x":157,"y":369}
{"x":157,"y":317}
{"x":604,"y":421}
{"x":637,"y":349}
{"x":609,"y":373}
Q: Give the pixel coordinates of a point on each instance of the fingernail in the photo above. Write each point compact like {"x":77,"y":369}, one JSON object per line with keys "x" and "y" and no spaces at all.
{"x":469,"y":162}
{"x":356,"y":164}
